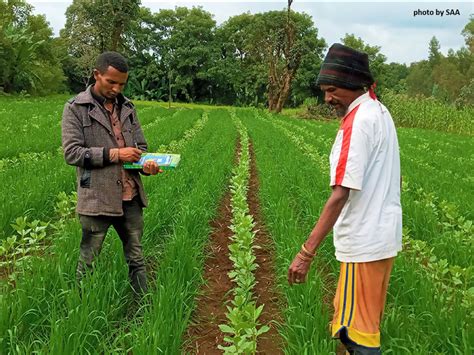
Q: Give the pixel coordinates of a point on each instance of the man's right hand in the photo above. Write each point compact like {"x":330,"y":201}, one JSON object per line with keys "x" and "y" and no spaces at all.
{"x":129,"y":154}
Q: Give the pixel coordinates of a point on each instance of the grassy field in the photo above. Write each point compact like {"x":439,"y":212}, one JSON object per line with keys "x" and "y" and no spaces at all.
{"x":42,"y":310}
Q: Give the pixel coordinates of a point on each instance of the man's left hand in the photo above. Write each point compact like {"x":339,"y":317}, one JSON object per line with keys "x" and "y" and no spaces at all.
{"x":150,"y":167}
{"x":298,"y":270}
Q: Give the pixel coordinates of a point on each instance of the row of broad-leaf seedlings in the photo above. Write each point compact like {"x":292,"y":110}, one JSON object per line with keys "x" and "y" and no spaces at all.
{"x":243,"y":327}
{"x":439,"y":223}
{"x":62,"y":318}
{"x":414,"y":267}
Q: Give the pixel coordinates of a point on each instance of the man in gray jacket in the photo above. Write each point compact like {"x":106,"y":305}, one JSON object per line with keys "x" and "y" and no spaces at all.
{"x":100,"y":131}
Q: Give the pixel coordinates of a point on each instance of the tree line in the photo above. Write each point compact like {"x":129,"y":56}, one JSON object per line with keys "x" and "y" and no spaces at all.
{"x":265,"y":59}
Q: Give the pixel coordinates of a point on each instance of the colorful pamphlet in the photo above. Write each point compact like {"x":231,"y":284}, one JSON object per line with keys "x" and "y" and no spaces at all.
{"x":164,"y":161}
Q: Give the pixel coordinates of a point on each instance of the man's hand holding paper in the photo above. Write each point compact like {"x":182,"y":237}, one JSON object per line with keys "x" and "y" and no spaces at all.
{"x":151,"y":167}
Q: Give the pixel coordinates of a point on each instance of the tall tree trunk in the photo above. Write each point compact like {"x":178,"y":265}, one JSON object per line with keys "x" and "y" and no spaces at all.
{"x":279,"y":81}
{"x":116,"y":36}
{"x":7,"y":86}
{"x":272,"y":82}
{"x":284,"y":91}
{"x":272,"y":99}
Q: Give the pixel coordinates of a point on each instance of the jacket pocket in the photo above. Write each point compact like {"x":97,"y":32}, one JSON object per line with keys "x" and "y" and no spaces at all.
{"x":86,"y":179}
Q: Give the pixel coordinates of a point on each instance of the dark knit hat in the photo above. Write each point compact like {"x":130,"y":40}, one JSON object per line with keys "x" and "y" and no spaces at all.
{"x":346,"y":68}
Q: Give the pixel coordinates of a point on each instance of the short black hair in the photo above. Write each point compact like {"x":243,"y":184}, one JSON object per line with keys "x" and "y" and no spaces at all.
{"x":112,"y":59}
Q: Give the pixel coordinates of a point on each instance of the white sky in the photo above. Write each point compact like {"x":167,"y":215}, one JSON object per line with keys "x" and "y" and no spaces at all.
{"x":403,"y":37}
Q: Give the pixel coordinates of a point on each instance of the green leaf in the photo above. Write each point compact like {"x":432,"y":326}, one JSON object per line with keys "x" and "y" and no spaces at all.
{"x":226,"y":329}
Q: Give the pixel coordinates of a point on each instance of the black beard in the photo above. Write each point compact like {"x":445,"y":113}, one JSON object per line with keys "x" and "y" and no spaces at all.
{"x":340,"y":112}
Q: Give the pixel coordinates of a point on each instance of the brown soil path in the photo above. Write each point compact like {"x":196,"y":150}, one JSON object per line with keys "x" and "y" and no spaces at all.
{"x":204,"y":335}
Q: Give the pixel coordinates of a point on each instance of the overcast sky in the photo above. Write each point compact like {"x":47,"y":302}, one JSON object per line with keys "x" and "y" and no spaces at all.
{"x":402,"y":34}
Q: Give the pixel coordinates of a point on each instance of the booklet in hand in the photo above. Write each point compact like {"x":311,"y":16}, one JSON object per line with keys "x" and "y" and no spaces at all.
{"x":164,"y":161}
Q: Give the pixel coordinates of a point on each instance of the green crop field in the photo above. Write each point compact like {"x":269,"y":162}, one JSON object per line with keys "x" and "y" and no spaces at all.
{"x":430,"y":305}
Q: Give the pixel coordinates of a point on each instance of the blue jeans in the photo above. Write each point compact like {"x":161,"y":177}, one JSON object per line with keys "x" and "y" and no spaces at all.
{"x":129,"y":227}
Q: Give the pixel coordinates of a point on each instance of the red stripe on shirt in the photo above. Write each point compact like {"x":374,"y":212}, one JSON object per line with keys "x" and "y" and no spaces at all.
{"x":346,"y":141}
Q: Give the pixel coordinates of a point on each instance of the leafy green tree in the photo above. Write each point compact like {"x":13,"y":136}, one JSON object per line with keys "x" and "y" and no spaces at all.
{"x":465,"y":58}
{"x":466,"y":96}
{"x":434,"y":53}
{"x":253,"y":65}
{"x":91,"y":28}
{"x":444,"y":77}
{"x":282,"y":40}
{"x":238,"y":76}
{"x":394,"y":77}
{"x":101,"y":24}
{"x":181,"y":54}
{"x":182,"y":44}
{"x":304,"y":84}
{"x":28,"y":60}
{"x":23,"y":52}
{"x":465,"y":62}
{"x":419,"y":80}
{"x":468,"y":33}
{"x":147,"y":80}
{"x":448,"y":79}
{"x":265,"y":58}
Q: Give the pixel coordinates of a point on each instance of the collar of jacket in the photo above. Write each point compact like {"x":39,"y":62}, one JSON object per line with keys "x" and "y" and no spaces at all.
{"x":95,"y":111}
{"x":87,"y":97}
{"x":102,"y":100}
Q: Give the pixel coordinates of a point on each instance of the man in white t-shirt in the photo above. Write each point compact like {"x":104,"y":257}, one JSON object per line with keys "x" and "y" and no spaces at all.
{"x":364,"y":208}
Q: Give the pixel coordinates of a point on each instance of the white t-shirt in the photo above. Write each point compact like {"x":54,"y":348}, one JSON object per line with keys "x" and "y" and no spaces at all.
{"x":365,"y":158}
